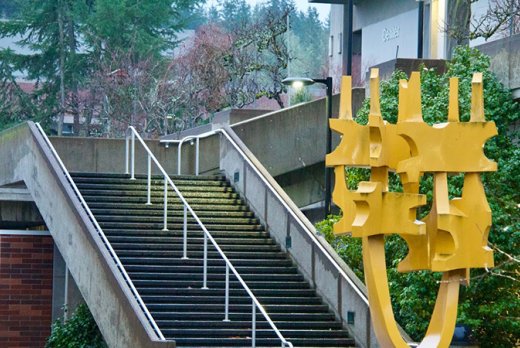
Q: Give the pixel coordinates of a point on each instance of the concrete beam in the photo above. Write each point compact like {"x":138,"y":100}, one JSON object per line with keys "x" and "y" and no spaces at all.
{"x":18,"y":213}
{"x":15,"y":194}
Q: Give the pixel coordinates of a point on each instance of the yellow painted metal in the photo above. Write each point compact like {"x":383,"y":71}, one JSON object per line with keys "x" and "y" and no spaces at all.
{"x":463,"y":142}
{"x":381,"y":212}
{"x":345,"y":102}
{"x":386,"y":147}
{"x":453,"y":237}
{"x":446,"y":147}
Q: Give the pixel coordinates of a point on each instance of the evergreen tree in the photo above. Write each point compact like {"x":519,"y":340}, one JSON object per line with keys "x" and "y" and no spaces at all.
{"x":48,"y":30}
{"x":147,"y":27}
{"x":7,"y":9}
{"x":68,"y":39}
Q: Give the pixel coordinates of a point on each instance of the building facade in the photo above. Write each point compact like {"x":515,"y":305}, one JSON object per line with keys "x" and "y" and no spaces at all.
{"x":385,"y":30}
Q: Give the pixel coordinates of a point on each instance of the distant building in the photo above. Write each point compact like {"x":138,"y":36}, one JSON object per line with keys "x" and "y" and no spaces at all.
{"x":385,"y":30}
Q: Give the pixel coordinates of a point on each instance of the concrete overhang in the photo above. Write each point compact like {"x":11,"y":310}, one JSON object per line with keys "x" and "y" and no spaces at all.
{"x":15,"y":194}
{"x":334,"y":2}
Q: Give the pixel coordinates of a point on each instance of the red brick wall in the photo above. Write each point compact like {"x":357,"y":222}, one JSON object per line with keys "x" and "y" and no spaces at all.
{"x":25,"y":290}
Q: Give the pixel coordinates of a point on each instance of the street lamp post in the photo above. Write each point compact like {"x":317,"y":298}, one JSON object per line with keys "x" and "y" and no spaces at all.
{"x":305,"y":81}
{"x":420,"y":29}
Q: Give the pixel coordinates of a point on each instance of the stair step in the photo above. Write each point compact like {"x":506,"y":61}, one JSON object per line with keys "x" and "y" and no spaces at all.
{"x":194,"y":262}
{"x":192,"y":178}
{"x":154,"y":182}
{"x":199,"y":254}
{"x":211,"y":269}
{"x":89,"y":198}
{"x":291,"y":317}
{"x":192,"y":233}
{"x":268,"y":342}
{"x":194,"y":247}
{"x":166,"y":325}
{"x":159,"y":211}
{"x":270,"y":300}
{"x":236,"y":308}
{"x":157,"y":187}
{"x":179,"y":284}
{"x":260,"y":333}
{"x":197,"y":291}
{"x":211,"y":277}
{"x":190,"y":240}
{"x":143,"y":193}
{"x":178,"y":227}
{"x":158,"y":206}
{"x":176,"y":219}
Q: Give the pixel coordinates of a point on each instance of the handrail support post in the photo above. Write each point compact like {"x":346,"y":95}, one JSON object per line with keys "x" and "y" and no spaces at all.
{"x":148,"y":201}
{"x":185,"y":236}
{"x":205,"y":275}
{"x":132,"y":177}
{"x":226,"y":316}
{"x":197,"y":157}
{"x":253,"y":326}
{"x":127,"y":153}
{"x":165,"y":228}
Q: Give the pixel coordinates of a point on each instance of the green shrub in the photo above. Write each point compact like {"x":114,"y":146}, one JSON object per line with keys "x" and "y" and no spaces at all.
{"x":80,"y":331}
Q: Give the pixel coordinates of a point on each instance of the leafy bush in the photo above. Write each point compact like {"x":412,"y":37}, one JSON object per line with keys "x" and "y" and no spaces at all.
{"x":491,"y":304}
{"x":80,"y":331}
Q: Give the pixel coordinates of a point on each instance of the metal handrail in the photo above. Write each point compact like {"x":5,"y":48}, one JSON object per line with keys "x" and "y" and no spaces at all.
{"x":182,"y":141}
{"x":130,"y":151}
{"x":280,"y":199}
{"x":102,"y":235}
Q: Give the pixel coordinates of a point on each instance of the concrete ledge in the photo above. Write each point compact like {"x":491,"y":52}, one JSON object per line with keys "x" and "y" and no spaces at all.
{"x":23,"y":233}
{"x":220,"y":120}
{"x":407,"y":65}
{"x":108,"y":155}
{"x":15,"y":195}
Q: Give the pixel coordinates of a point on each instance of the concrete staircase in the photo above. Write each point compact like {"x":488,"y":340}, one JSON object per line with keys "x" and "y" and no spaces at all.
{"x":171,"y":286}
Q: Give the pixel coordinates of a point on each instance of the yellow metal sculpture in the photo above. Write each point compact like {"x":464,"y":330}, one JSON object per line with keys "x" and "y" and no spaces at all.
{"x":452,"y":238}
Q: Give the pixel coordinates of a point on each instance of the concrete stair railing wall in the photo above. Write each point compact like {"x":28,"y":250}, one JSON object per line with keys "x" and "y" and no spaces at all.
{"x":319,"y":263}
{"x":27,"y":159}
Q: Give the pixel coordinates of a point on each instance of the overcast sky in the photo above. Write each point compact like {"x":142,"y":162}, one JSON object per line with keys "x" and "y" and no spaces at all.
{"x":323,"y":9}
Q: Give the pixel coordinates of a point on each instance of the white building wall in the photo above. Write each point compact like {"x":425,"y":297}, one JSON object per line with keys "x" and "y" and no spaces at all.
{"x":387,"y":25}
{"x":336,"y":33}
{"x":395,"y":37}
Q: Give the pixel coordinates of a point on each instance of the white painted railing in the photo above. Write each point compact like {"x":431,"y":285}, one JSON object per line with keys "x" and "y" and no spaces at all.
{"x":130,"y":169}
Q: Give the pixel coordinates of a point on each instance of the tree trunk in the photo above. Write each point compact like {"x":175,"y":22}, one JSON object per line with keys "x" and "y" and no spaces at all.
{"x":74,"y":83}
{"x":278,"y":100}
{"x":62,"y":78}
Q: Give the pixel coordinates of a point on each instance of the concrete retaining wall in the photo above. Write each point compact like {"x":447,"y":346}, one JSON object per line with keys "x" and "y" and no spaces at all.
{"x":291,"y":144}
{"x":108,"y":155}
{"x":505,"y":61}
